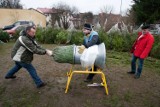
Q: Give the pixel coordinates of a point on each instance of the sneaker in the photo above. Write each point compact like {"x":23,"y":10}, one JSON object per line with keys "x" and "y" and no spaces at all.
{"x":88,"y":80}
{"x":94,"y":85}
{"x":137,"y":76}
{"x":131,"y":72}
{"x":42,"y":85}
{"x":10,"y":77}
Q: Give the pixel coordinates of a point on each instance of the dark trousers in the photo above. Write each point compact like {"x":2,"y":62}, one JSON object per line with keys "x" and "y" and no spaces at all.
{"x":30,"y":69}
{"x":140,"y":65}
{"x":90,"y":76}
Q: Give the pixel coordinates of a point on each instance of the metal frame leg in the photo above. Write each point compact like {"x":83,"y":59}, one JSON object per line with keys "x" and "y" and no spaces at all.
{"x":68,"y":82}
{"x":104,"y":83}
{"x":70,"y":74}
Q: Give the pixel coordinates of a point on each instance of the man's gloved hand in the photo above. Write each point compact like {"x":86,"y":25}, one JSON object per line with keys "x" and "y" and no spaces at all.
{"x":81,"y":49}
{"x":49,"y":52}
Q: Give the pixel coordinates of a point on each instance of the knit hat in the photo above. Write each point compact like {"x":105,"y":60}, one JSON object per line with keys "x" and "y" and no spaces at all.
{"x":145,"y":27}
{"x":87,"y":26}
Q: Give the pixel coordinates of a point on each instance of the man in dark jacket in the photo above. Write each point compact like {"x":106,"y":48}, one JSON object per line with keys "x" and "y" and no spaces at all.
{"x":140,"y":50}
{"x":22,"y":54}
{"x":90,"y":38}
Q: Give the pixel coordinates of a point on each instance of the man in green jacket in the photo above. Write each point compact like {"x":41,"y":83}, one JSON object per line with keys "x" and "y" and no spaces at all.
{"x":22,"y":54}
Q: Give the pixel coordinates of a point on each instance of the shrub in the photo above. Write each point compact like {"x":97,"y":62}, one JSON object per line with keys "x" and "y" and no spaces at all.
{"x":51,"y":35}
{"x":61,"y":37}
{"x":117,"y":41}
{"x":4,"y":36}
{"x":128,"y":41}
{"x":40,"y":35}
{"x":76,"y":37}
{"x":47,"y":35}
{"x":105,"y":38}
{"x":16,"y":35}
{"x":155,"y":52}
{"x":113,"y":41}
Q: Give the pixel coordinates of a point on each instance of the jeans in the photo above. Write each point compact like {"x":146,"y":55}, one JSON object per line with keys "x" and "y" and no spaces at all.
{"x":30,"y":69}
{"x":140,"y":65}
{"x":90,"y":76}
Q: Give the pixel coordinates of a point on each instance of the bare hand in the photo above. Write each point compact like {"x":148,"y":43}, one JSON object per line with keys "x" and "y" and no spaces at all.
{"x":49,"y":52}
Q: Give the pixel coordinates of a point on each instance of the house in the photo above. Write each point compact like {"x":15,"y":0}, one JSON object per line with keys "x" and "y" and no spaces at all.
{"x":76,"y":20}
{"x":9,"y":16}
{"x":155,"y":28}
{"x":113,"y":22}
{"x":48,"y":12}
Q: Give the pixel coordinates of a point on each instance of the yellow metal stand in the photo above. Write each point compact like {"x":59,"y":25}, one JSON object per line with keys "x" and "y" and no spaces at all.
{"x":71,"y":72}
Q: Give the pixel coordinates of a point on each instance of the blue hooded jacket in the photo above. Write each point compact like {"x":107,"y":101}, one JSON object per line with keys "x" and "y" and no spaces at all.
{"x":92,"y":39}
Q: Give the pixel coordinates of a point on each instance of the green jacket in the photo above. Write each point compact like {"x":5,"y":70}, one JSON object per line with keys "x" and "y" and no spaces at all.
{"x":24,"y":48}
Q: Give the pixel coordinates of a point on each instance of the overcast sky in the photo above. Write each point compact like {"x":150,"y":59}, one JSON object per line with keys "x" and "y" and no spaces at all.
{"x":82,"y":5}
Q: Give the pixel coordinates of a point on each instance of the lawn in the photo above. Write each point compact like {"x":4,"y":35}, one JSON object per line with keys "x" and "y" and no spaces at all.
{"x":124,"y":90}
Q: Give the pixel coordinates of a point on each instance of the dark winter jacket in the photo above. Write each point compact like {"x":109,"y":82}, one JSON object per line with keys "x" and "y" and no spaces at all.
{"x":24,"y":48}
{"x":92,"y":39}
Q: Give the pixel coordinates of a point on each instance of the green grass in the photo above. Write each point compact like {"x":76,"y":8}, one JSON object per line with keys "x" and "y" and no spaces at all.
{"x":124,"y":59}
{"x":54,"y":94}
{"x":113,"y":101}
{"x":5,"y":47}
{"x":118,"y":58}
{"x":128,"y":96}
{"x":23,"y":97}
{"x":2,"y":89}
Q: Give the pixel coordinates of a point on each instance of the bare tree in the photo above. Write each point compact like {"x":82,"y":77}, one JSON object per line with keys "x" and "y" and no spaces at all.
{"x":87,"y":17}
{"x":64,"y":13}
{"x":74,"y":10}
{"x":104,"y":12}
{"x":107,"y":9}
{"x":13,"y":4}
{"x":132,"y":18}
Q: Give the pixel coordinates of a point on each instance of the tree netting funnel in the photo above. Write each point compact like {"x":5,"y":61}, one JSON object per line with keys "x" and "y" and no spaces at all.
{"x":70,"y":54}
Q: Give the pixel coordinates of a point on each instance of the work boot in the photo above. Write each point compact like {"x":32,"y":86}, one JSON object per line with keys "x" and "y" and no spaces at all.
{"x":88,"y":80}
{"x":137,"y":76}
{"x":10,"y":77}
{"x":131,"y":72}
{"x":42,"y":85}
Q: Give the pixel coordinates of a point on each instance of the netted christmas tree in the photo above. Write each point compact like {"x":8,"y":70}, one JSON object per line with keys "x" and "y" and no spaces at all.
{"x":64,"y":54}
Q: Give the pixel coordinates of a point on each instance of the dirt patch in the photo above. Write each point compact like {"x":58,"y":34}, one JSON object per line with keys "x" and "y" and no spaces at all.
{"x":124,"y":90}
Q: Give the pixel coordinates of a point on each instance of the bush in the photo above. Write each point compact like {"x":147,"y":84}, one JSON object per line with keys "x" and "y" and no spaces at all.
{"x":128,"y":41}
{"x":4,"y":36}
{"x":40,"y":35}
{"x":47,"y":35}
{"x":61,"y":37}
{"x":16,"y":35}
{"x":76,"y":37}
{"x":113,"y":41}
{"x":155,"y":52}
{"x":104,"y":37}
{"x":50,"y":35}
{"x":117,"y":41}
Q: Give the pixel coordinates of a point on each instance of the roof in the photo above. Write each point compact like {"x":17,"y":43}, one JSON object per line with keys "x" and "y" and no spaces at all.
{"x":47,"y":10}
{"x":112,"y":19}
{"x":36,"y":10}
